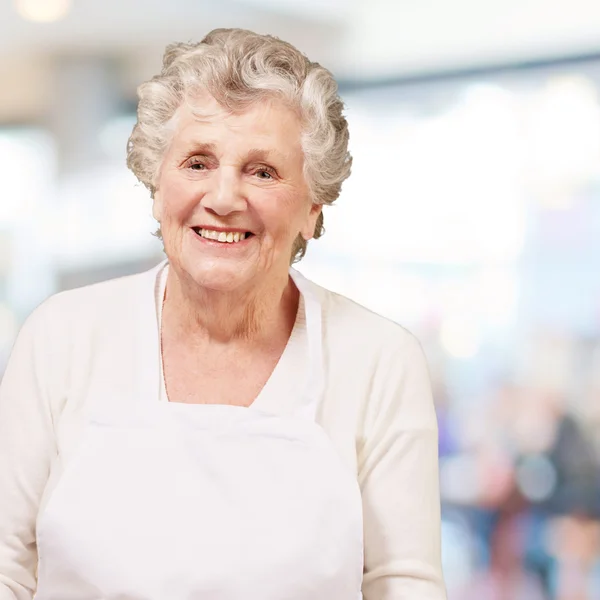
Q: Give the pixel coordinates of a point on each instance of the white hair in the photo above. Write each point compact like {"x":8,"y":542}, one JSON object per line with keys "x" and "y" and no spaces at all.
{"x":238,"y":68}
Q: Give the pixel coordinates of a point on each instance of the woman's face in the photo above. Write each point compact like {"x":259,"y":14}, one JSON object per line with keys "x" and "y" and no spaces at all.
{"x":231,"y":197}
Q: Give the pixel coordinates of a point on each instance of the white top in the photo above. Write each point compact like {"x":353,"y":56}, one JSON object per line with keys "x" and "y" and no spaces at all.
{"x":376,"y":409}
{"x":213,"y":502}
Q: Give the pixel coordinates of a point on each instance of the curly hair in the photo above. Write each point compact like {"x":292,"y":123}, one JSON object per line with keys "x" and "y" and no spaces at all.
{"x":239,"y":67}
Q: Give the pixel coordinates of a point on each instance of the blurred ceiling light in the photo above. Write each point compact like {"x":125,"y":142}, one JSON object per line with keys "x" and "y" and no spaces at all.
{"x":43,"y":11}
{"x":22,"y":192}
{"x":563,"y":131}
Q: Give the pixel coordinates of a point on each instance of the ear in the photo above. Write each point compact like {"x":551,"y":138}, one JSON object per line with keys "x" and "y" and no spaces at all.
{"x":308,"y":230}
{"x":157,"y":205}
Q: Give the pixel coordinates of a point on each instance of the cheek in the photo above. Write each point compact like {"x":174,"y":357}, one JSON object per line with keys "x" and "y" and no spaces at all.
{"x":179,"y":199}
{"x":282,"y":215}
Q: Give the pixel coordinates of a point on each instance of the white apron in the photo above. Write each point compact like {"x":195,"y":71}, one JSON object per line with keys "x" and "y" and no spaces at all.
{"x":167,"y":501}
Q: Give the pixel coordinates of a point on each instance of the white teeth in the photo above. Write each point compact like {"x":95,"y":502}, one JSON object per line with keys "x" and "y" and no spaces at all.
{"x":209,"y":234}
{"x":229,"y":237}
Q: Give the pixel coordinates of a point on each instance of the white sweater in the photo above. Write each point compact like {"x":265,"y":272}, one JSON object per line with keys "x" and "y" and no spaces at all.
{"x":377,"y":410}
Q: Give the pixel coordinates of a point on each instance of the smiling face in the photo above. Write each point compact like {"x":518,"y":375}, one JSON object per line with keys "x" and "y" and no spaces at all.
{"x":228,"y":177}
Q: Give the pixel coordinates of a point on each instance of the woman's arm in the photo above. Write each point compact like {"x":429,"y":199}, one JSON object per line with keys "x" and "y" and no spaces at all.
{"x":27,"y":447}
{"x":398,"y":475}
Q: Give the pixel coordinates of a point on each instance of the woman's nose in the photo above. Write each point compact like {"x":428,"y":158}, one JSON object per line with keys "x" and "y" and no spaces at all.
{"x":225,"y":195}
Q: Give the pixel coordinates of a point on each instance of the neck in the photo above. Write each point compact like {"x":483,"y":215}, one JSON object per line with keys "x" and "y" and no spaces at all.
{"x":260,"y":315}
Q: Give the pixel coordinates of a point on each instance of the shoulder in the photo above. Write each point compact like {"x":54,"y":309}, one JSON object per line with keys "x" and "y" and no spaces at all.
{"x":76,"y":331}
{"x":362,"y":329}
{"x":376,"y":361}
{"x":92,"y":309}
{"x":98,"y":302}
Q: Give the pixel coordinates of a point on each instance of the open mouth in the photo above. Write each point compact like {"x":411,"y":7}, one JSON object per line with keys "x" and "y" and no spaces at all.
{"x":225,"y":237}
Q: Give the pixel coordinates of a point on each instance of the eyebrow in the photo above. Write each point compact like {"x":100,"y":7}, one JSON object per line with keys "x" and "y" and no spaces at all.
{"x":254,"y":154}
{"x":262,"y":154}
{"x":202,"y":147}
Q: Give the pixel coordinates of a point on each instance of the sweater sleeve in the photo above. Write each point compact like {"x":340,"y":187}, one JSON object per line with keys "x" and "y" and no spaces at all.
{"x":399,"y":479}
{"x":27,"y":448}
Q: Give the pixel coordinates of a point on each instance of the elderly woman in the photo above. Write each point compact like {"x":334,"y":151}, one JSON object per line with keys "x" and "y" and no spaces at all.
{"x":220,"y":427}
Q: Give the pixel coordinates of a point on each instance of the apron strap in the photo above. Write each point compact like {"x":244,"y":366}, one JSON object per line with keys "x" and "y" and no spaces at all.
{"x":315,"y":384}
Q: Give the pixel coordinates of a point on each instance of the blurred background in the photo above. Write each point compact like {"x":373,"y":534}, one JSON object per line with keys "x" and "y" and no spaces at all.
{"x":472,"y":217}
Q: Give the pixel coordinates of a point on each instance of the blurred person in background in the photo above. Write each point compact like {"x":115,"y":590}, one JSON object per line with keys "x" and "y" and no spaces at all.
{"x":573,"y":531}
{"x":574,"y":544}
{"x":542,"y":506}
{"x":506,"y":579}
{"x":220,"y":427}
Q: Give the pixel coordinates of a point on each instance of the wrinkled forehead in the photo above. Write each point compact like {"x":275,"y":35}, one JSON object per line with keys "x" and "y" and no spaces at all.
{"x":269,"y":121}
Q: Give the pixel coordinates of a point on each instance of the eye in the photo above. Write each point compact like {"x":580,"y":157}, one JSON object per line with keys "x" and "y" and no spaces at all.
{"x":264,"y":174}
{"x":197,"y":163}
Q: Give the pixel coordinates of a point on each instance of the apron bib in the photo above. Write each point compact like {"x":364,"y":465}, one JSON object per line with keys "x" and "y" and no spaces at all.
{"x":167,"y":501}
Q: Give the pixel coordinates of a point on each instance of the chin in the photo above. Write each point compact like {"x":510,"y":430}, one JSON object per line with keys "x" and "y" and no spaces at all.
{"x":220,"y":277}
